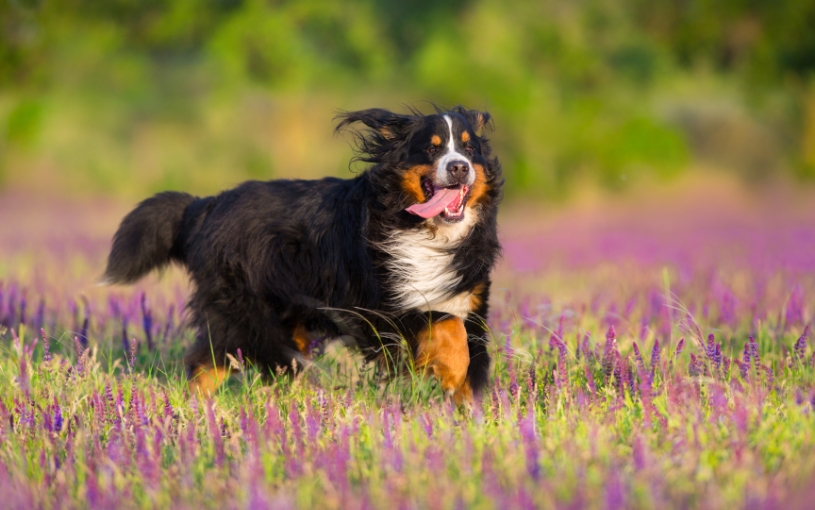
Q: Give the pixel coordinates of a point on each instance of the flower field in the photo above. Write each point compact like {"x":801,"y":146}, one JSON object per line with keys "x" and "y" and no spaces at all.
{"x":652,"y":354}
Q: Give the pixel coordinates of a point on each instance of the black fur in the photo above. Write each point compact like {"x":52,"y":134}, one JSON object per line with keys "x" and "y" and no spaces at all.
{"x":267,"y":257}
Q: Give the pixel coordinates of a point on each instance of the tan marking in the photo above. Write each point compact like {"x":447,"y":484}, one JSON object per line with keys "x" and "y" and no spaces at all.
{"x":387,"y":133}
{"x":412,"y":181}
{"x":442,"y":348}
{"x":479,"y":122}
{"x":465,"y":137}
{"x":480,"y":186}
{"x":302,"y":339}
{"x":477,"y":297}
{"x":207,"y":379}
{"x":435,"y":140}
{"x":464,"y":394}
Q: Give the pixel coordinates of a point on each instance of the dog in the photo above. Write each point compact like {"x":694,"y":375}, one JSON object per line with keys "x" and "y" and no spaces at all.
{"x":400,"y":255}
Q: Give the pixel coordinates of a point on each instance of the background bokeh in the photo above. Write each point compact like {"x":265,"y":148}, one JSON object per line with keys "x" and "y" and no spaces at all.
{"x":122,"y":98}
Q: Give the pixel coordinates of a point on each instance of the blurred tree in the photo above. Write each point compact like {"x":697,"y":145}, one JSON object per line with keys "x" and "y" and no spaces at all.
{"x":122,"y":92}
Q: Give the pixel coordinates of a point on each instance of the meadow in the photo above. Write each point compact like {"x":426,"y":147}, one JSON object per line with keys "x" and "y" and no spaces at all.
{"x":648,"y":352}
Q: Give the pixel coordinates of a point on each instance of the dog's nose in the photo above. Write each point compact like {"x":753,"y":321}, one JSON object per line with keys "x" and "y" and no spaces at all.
{"x":458,"y":170}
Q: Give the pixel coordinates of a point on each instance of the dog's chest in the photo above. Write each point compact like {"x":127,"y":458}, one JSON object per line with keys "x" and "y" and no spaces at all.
{"x":423,"y":270}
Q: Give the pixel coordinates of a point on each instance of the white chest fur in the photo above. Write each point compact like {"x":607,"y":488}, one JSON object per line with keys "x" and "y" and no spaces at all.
{"x":422,"y":263}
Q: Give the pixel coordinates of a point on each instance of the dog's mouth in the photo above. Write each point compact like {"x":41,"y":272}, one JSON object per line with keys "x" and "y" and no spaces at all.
{"x":447,"y":202}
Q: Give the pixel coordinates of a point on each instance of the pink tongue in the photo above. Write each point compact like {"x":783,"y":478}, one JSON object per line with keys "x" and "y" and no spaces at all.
{"x":442,"y":197}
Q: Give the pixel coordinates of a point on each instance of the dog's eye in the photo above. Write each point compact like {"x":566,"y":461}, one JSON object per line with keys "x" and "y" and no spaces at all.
{"x":432,"y":149}
{"x":469,"y":148}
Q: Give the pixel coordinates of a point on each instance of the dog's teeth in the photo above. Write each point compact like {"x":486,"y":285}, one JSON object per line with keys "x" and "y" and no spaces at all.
{"x":446,"y":211}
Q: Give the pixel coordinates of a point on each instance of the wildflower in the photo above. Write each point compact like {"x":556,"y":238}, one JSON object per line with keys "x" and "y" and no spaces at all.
{"x":46,"y":351}
{"x":589,"y":379}
{"x":754,"y":352}
{"x":586,"y":347}
{"x":132,"y":360}
{"x":679,"y":347}
{"x":83,"y":335}
{"x":530,"y":443}
{"x":744,"y":366}
{"x":717,"y":356}
{"x":655,"y":361}
{"x":216,"y":434}
{"x":531,"y":381}
{"x":638,"y":356}
{"x":23,"y":379}
{"x":514,"y":389}
{"x":125,"y":340}
{"x":801,"y":345}
{"x":57,"y":419}
{"x":609,"y":352}
{"x":147,"y":322}
{"x":241,"y":361}
{"x":168,"y":408}
{"x":695,"y":366}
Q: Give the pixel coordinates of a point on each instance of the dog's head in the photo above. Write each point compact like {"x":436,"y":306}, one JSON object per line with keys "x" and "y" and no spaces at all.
{"x":436,"y":167}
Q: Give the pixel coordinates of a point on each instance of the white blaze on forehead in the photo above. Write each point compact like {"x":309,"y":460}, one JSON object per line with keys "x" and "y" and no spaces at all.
{"x":451,"y":142}
{"x":452,"y":155}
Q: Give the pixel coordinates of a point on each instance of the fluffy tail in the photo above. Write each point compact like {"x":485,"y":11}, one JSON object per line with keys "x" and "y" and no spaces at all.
{"x":148,"y":237}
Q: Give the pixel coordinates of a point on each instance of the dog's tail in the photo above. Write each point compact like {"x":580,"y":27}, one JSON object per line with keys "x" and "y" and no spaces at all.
{"x":148,"y":238}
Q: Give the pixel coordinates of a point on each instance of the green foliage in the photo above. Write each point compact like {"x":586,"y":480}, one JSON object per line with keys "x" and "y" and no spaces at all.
{"x":578,"y":89}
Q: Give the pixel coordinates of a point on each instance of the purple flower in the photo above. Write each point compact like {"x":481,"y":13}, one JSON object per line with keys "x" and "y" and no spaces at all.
{"x":585,"y":346}
{"x":147,"y":322}
{"x":57,"y":419}
{"x":610,"y":353}
{"x":801,"y":345}
{"x":46,"y":350}
{"x":530,"y":443}
{"x":589,"y":379}
{"x":717,"y":356}
{"x":655,"y":361}
{"x":216,"y":434}
{"x":638,"y":356}
{"x":679,"y":347}
{"x":744,"y":366}
{"x":134,"y":345}
{"x":710,"y":347}
{"x":168,"y":408}
{"x":83,"y":335}
{"x":695,"y":366}
{"x":754,"y":353}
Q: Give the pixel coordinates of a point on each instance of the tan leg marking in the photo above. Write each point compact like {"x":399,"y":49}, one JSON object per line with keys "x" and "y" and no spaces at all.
{"x":464,"y":395}
{"x":207,"y":379}
{"x":442,"y":348}
{"x":302,"y":340}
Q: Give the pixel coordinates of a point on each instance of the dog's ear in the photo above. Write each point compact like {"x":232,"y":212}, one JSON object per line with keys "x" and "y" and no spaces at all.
{"x":391,"y":126}
{"x":478,"y":120}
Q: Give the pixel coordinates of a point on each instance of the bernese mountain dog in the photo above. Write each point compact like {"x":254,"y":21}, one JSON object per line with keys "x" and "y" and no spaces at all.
{"x":397,"y":259}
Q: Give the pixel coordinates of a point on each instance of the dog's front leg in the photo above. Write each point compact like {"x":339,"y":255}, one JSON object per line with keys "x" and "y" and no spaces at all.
{"x":442,"y":348}
{"x":207,"y":378}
